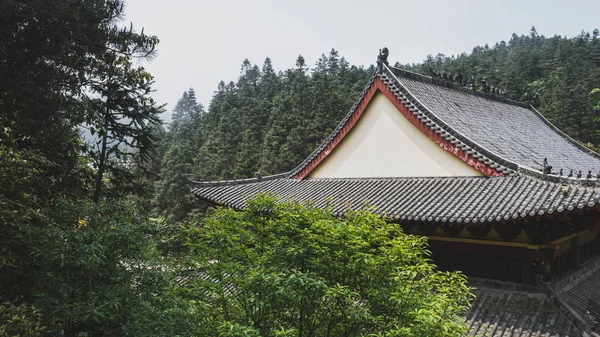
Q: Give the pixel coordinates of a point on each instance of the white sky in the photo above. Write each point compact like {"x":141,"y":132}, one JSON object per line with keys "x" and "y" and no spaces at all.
{"x":204,"y":42}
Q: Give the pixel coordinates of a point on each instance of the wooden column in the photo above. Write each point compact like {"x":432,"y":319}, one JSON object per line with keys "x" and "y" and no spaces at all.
{"x":545,"y":256}
{"x":527,"y":270}
{"x":535,"y":266}
{"x":574,"y":254}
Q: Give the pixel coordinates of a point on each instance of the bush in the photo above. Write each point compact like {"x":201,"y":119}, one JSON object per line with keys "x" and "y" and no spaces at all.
{"x":96,"y":272}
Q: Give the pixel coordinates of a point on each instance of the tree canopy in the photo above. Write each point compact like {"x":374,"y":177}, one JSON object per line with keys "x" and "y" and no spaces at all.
{"x":286,"y":269}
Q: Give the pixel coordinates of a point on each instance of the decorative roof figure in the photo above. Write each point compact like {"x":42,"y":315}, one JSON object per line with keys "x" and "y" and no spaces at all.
{"x":382,"y":58}
{"x":547,"y":169}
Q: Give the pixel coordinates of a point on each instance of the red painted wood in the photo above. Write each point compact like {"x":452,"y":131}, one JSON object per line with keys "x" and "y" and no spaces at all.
{"x":376,"y":86}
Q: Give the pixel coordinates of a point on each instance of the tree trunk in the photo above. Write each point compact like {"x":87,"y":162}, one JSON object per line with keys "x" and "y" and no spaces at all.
{"x":102,"y":159}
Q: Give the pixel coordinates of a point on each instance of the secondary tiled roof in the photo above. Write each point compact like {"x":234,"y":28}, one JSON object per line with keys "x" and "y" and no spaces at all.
{"x":516,"y":313}
{"x":569,"y":307}
{"x":508,"y":129}
{"x":582,"y":294}
{"x":440,"y":199}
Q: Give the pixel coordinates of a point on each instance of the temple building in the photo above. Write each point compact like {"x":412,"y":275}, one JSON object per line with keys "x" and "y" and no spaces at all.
{"x":500,"y":192}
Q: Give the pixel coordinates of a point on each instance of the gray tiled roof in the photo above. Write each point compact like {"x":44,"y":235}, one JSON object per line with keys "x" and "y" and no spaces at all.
{"x":582,"y":294}
{"x":567,"y":308}
{"x":439,"y":199}
{"x":508,"y":129}
{"x":515,"y":313}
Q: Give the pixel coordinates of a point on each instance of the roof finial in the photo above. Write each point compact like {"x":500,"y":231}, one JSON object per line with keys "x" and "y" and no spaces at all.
{"x":589,"y":175}
{"x":570,"y":174}
{"x":579,"y":174}
{"x":382,"y":58}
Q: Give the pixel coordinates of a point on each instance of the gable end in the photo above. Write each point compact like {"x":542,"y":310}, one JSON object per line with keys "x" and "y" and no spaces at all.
{"x":428,"y":127}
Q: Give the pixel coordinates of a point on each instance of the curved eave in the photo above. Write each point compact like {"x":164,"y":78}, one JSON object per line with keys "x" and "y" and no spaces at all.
{"x":517,"y":166}
{"x":449,"y":201}
{"x":211,"y":183}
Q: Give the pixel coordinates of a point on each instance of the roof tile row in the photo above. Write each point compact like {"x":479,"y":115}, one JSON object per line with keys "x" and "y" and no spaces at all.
{"x":437,"y":199}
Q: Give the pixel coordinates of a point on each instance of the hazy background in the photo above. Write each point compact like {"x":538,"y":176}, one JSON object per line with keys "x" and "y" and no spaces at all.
{"x":204,"y":42}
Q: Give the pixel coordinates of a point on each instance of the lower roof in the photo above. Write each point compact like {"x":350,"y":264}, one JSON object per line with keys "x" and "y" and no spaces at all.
{"x":517,"y":314}
{"x":468,"y":200}
{"x":568,"y":307}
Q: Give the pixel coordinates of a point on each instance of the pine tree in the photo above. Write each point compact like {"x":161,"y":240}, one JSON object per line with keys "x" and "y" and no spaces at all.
{"x":123,"y":115}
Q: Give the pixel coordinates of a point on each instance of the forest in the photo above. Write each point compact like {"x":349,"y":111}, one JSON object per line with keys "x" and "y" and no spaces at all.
{"x":100,"y":235}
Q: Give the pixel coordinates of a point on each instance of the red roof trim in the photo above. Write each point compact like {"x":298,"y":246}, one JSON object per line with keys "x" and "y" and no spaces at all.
{"x":378,"y":85}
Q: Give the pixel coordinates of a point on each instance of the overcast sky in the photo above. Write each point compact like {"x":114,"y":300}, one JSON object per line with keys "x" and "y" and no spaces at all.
{"x":204,"y":42}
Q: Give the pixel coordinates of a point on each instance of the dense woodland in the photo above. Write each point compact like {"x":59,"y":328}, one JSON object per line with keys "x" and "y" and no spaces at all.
{"x":99,"y":236}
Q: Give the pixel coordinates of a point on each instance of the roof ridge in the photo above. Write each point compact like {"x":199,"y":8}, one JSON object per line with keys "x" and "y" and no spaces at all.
{"x":556,"y":178}
{"x":212,"y":183}
{"x":454,"y":86}
{"x":404,"y":178}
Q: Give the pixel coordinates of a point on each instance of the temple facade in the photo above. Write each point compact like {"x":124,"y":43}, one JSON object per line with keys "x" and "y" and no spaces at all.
{"x":500,"y":192}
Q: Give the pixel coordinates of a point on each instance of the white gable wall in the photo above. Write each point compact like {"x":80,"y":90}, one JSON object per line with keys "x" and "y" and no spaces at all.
{"x":385,"y":144}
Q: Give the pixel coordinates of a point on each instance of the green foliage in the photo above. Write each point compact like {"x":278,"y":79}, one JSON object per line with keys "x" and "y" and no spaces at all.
{"x":24,"y":185}
{"x":119,"y":107}
{"x":73,"y":267}
{"x":96,"y":271}
{"x":171,"y":198}
{"x":21,"y":320}
{"x":69,"y":267}
{"x":285,"y":269}
{"x":595,"y":94}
